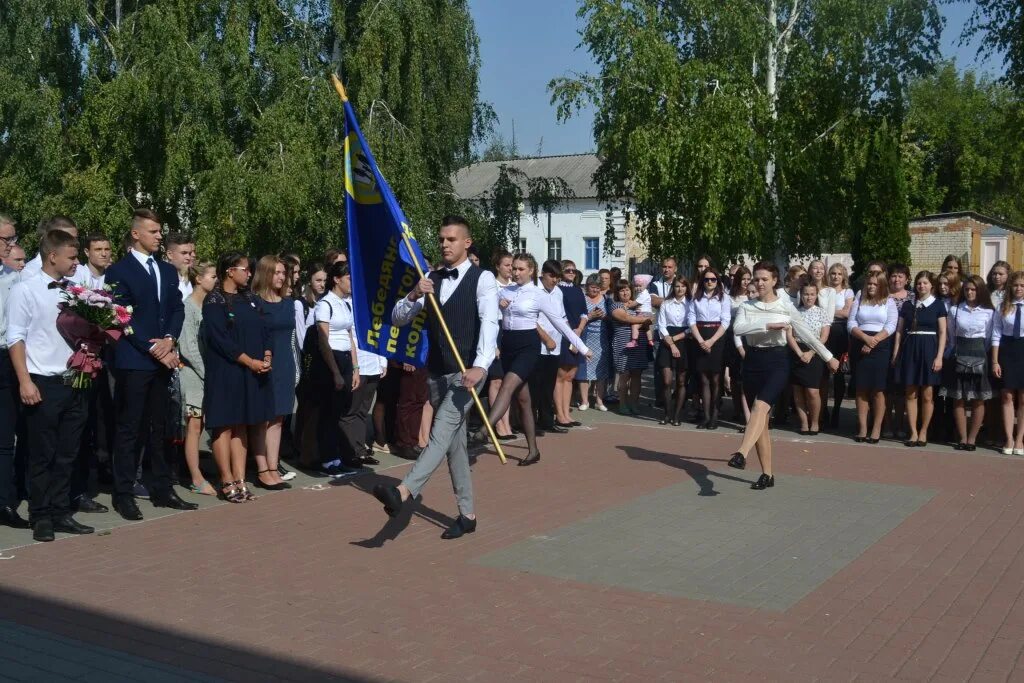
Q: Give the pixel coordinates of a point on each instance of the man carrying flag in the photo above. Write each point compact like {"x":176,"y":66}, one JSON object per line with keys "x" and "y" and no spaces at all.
{"x":468,"y":298}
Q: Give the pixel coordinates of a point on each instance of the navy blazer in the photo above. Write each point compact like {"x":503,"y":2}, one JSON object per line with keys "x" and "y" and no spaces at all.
{"x":152,"y":318}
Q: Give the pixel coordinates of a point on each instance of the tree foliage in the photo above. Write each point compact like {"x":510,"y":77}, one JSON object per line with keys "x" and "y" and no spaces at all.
{"x":1000,"y":23}
{"x":880,"y":229}
{"x":220,"y":115}
{"x":962,"y":146}
{"x":737,"y":127}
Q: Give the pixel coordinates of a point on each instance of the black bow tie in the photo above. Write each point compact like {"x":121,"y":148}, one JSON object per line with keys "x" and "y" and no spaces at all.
{"x":57,"y":284}
{"x":446,"y":273}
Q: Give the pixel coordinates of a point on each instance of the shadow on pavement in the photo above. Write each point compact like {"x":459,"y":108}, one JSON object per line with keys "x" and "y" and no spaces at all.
{"x":393,"y":526}
{"x":53,"y":640}
{"x":700,"y":473}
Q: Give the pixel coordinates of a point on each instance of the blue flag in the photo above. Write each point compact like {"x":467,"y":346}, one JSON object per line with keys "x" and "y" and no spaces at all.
{"x":383,"y":269}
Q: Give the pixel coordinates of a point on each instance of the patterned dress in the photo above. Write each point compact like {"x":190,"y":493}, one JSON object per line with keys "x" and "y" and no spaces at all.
{"x":626,"y":359}
{"x":596,"y":338}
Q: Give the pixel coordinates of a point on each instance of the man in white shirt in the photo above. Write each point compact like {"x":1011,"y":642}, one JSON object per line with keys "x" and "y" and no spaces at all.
{"x":97,"y":260}
{"x":181,"y":253}
{"x":33,"y":267}
{"x":469,"y":297}
{"x":10,"y":495}
{"x":55,"y":412}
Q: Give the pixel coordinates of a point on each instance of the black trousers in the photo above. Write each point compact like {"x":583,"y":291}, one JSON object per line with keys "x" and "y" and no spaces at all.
{"x":353,"y":422}
{"x":141,"y":402}
{"x":335,"y":405}
{"x":54,"y":430}
{"x":542,"y":390}
{"x":98,"y":434}
{"x":12,"y":462}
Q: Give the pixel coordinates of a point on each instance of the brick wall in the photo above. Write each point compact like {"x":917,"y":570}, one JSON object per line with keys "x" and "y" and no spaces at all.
{"x":932,"y":240}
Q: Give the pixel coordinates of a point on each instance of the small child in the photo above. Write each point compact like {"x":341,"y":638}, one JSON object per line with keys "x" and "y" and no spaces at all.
{"x":643,"y":303}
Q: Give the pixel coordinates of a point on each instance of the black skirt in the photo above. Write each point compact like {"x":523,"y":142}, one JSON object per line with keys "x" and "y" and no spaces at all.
{"x":871,"y":371}
{"x":807,"y":375}
{"x":665,"y":359}
{"x":838,"y":339}
{"x":1011,"y":362}
{"x":520,"y":350}
{"x":701,"y":361}
{"x":497,"y":370}
{"x":767,"y":370}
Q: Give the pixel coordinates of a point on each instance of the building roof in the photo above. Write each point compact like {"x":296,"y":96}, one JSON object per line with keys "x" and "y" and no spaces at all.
{"x":577,"y":170}
{"x":980,"y":217}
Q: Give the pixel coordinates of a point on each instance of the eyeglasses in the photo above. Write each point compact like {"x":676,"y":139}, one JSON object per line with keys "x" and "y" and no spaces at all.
{"x":571,"y":271}
{"x":245,"y":268}
{"x":13,"y":239}
{"x":711,"y":279}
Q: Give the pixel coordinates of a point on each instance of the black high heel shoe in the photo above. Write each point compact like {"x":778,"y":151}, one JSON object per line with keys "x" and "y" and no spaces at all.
{"x":530,"y":459}
{"x":763,"y":482}
{"x":738,"y":461}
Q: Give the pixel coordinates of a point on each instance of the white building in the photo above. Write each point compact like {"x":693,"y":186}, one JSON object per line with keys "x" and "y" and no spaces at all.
{"x":577,"y":226}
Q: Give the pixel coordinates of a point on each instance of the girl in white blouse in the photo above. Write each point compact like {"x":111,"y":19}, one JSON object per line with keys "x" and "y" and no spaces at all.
{"x":1008,"y":361}
{"x":765,"y":324}
{"x":522,"y":303}
{"x":970,"y":332}
{"x":671,"y":361}
{"x":708,"y":319}
{"x":871,"y":325}
{"x":808,"y":368}
{"x":838,"y":338}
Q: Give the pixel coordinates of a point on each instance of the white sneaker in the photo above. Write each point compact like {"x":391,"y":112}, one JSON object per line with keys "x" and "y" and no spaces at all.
{"x":1009,"y":451}
{"x":1018,"y":451}
{"x":603,"y":408}
{"x":583,"y":407}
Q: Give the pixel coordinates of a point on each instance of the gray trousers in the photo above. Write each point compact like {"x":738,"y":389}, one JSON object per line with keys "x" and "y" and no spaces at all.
{"x":452,"y":403}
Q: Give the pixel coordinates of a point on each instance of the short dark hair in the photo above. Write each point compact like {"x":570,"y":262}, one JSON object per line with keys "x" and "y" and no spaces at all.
{"x":552,"y":267}
{"x":336,"y":270}
{"x":227,"y":261}
{"x":55,"y":223}
{"x":93,"y":238}
{"x":895,"y":268}
{"x":54,"y":240}
{"x":455,"y":219}
{"x":176,"y":239}
{"x":768,"y":266}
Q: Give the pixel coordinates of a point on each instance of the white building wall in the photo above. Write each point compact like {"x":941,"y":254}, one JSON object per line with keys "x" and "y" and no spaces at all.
{"x":580,"y":220}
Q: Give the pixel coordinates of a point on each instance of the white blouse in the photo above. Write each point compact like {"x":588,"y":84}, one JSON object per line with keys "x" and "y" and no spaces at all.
{"x":841,"y":297}
{"x":873,"y":317}
{"x":337,"y":313}
{"x":673,"y":313}
{"x":1004,"y":326}
{"x":709,"y":310}
{"x":827,"y":303}
{"x":753,"y":318}
{"x":526,"y":304}
{"x":972,"y":323}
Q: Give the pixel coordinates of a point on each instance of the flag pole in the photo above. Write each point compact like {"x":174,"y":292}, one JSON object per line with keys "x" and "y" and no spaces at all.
{"x":340,"y":89}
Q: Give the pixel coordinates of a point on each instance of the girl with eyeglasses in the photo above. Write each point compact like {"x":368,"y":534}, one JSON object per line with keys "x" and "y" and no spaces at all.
{"x":708,"y":320}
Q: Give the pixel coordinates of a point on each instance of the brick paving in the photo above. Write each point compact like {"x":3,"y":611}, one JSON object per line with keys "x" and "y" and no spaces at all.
{"x":912,"y":568}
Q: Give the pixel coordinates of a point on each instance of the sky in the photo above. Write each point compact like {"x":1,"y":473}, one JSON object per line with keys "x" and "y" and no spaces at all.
{"x":526,"y":43}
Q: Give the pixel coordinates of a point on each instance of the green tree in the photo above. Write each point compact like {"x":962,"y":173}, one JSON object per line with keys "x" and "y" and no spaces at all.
{"x":960,"y":143}
{"x":733,"y":127}
{"x":221,"y":117}
{"x":880,"y":229}
{"x":1000,"y":23}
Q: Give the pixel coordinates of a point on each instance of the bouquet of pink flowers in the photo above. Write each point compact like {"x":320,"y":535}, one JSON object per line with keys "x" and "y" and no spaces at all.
{"x":88,"y":320}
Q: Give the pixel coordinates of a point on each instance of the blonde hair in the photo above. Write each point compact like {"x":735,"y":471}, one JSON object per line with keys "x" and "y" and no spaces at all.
{"x":1008,"y":297}
{"x":842,"y":270}
{"x":197,"y":270}
{"x":263,"y":280}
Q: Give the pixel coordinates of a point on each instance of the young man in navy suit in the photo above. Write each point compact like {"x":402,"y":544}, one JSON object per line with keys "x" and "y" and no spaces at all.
{"x":143,"y":362}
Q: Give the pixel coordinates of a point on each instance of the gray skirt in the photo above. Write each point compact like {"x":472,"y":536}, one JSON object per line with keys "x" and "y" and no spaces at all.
{"x":965,"y":374}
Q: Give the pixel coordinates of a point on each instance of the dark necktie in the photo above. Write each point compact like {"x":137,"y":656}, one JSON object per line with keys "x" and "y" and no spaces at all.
{"x":1016,"y":322}
{"x":152,"y":275}
{"x":452,"y":273}
{"x":61,"y":284}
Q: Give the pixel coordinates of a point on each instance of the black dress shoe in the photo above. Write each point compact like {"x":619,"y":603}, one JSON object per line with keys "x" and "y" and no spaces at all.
{"x":702,"y":425}
{"x":870,"y":440}
{"x":763,"y":482}
{"x":558,"y":430}
{"x":530,"y":459}
{"x":87,"y":504}
{"x":738,"y":461}
{"x":507,"y":437}
{"x":9,"y":517}
{"x":408,"y":452}
{"x":42,"y":530}
{"x":369,"y":460}
{"x":860,"y":439}
{"x":921,"y":444}
{"x":127,"y":508}
{"x":462,"y":526}
{"x":909,"y":444}
{"x":970,"y":447}
{"x":390,"y":497}
{"x":812,"y":433}
{"x":959,"y":446}
{"x":173,"y":501}
{"x":567,"y":425}
{"x":68,"y":525}
{"x":712,"y":424}
{"x":575,"y":423}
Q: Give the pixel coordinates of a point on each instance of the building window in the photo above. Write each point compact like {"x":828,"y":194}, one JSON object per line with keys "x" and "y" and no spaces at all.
{"x":592,"y":253}
{"x":522,"y":245}
{"x":555,"y":249}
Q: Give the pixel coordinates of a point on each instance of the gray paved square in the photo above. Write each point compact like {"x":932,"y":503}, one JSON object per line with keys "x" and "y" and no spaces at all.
{"x":717,"y":540}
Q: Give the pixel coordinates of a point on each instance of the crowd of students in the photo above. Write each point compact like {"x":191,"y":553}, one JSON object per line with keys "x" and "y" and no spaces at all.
{"x":261,"y":355}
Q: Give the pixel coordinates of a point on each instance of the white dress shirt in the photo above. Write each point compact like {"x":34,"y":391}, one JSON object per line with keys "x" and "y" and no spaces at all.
{"x":839,"y":299}
{"x":84,"y":276}
{"x":8,"y":278}
{"x":972,"y":323}
{"x":486,"y":305}
{"x":527,"y":303}
{"x":144,"y":260}
{"x":827,"y":302}
{"x":337,"y":312}
{"x":672,"y":313}
{"x":32,"y":319}
{"x":873,"y":317}
{"x":709,"y":310}
{"x":545,"y":323}
{"x":753,"y":318}
{"x":184,"y":286}
{"x":1003,"y":327}
{"x":32,"y":268}
{"x":369,"y":362}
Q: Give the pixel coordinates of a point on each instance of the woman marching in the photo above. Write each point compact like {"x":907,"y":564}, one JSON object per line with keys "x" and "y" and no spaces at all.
{"x":765,"y":323}
{"x":522,"y":303}
{"x":671,"y":361}
{"x":970,"y":329}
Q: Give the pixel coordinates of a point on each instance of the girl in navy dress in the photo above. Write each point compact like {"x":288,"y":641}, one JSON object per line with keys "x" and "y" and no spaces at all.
{"x":708,"y":319}
{"x":269,"y":284}
{"x":238,"y":363}
{"x":920,"y":341}
{"x":1008,"y":361}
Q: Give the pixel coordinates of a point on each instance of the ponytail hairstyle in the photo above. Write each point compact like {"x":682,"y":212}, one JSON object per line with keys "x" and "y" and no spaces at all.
{"x":528,"y":259}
